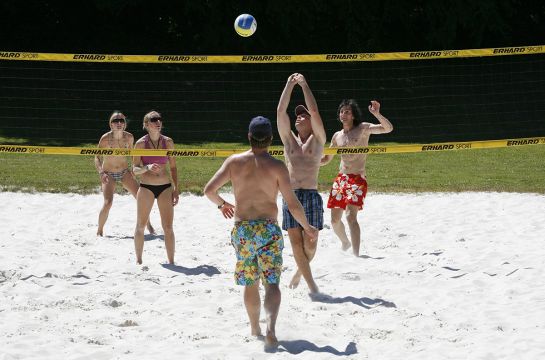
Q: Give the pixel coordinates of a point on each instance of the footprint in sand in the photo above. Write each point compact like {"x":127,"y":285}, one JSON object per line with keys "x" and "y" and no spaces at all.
{"x":351,"y":277}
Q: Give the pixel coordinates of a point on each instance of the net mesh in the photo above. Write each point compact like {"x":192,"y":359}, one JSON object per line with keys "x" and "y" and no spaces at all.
{"x":462,"y":99}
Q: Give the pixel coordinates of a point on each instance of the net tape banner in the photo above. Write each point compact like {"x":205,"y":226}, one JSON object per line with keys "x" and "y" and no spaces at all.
{"x":394,"y":149}
{"x":233,"y":59}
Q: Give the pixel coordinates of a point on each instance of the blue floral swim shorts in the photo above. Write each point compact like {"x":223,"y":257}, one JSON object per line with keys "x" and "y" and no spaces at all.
{"x":258,"y":245}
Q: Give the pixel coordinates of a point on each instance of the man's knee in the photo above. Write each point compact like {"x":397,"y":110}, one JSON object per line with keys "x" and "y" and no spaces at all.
{"x":308,"y":243}
{"x":108,"y":203}
{"x":336,"y":218}
{"x":311,"y":246}
{"x":296,"y":236}
{"x":272,"y":289}
{"x":352,"y":216}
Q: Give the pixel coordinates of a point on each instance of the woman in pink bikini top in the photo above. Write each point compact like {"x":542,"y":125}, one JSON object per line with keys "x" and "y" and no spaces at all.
{"x":158,"y":181}
{"x":148,"y":144}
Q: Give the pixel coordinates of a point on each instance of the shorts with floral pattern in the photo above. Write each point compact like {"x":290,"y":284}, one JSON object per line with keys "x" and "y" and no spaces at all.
{"x":258,"y":245}
{"x":347,"y":189}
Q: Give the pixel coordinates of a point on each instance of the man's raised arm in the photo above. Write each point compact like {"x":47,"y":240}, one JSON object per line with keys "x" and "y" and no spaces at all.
{"x":282,"y":118}
{"x":310,"y":101}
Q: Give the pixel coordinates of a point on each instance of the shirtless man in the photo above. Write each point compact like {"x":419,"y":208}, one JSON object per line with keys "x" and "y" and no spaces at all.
{"x":112,"y":169}
{"x":303,"y":153}
{"x":350,"y":187}
{"x":256,"y":178}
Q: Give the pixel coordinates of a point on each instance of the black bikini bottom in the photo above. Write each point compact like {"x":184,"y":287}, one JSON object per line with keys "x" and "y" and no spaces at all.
{"x":156,"y":189}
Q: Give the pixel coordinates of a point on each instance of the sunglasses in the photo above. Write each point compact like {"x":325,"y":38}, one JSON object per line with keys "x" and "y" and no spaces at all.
{"x":122,"y":121}
{"x":155,"y":119}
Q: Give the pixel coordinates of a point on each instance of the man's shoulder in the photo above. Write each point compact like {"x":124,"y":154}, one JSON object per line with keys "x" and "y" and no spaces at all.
{"x":364,"y":125}
{"x":290,"y":140}
{"x":336,"y":134}
{"x":276,"y":162}
{"x":277,"y":165}
{"x":250,"y":156}
{"x":235,"y":158}
{"x":316,"y":142}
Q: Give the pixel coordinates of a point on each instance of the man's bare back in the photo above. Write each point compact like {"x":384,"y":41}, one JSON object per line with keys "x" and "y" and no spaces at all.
{"x":255,"y":185}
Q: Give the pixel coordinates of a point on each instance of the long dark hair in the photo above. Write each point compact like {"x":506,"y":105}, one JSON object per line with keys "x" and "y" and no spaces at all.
{"x":356,"y":112}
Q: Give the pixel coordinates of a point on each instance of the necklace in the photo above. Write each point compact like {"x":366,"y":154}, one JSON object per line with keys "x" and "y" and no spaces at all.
{"x":153,"y":144}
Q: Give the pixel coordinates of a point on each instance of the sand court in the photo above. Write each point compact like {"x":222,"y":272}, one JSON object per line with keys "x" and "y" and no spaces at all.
{"x":444,"y":276}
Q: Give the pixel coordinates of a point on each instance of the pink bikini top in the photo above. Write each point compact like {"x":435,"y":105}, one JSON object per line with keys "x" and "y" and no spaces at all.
{"x":154,"y":159}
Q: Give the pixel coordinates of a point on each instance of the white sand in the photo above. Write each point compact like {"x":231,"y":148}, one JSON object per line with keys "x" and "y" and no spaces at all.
{"x":447,"y":276}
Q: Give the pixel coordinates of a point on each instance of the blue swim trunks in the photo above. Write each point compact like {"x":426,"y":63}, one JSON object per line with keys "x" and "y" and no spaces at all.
{"x":258,"y":245}
{"x":314,"y":209}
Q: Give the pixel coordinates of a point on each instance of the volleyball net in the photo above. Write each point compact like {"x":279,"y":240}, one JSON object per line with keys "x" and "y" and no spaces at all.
{"x":448,"y":99}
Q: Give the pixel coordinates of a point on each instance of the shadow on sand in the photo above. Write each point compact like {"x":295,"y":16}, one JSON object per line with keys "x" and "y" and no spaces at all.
{"x":207,"y":270}
{"x":370,"y":257}
{"x":149,"y":237}
{"x":118,"y":237}
{"x":298,"y":346}
{"x":364,"y":302}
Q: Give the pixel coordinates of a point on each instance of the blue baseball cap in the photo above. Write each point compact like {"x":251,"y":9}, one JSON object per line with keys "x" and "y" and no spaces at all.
{"x":260,"y":128}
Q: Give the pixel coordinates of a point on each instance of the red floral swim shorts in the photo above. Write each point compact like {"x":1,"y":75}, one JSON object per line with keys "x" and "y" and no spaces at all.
{"x":347,"y":189}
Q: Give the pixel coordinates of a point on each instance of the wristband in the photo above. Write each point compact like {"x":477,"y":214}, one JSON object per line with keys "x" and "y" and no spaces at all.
{"x":222,"y":205}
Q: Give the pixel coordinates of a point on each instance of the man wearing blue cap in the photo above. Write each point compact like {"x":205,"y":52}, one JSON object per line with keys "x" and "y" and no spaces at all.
{"x":303,"y":152}
{"x":256,"y":179}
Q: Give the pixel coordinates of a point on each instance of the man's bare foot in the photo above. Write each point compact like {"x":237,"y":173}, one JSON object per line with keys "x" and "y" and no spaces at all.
{"x":295,"y":279}
{"x":100,"y":232}
{"x":271,"y":342}
{"x":346,"y":245}
{"x":313,"y":289}
{"x":139,"y":261}
{"x":150,"y":229}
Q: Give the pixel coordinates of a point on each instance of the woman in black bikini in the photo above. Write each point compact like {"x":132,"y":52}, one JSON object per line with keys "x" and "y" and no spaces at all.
{"x":113,"y":169}
{"x":156,"y":182}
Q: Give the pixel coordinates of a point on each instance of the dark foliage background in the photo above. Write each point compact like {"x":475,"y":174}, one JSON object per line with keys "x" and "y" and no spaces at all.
{"x":431,"y":100}
{"x":284,"y":26}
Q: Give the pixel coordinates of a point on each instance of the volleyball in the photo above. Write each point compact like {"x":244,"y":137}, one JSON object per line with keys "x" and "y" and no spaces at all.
{"x":245,"y":25}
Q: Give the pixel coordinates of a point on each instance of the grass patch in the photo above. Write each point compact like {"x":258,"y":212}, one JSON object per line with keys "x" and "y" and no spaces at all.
{"x":517,"y":169}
